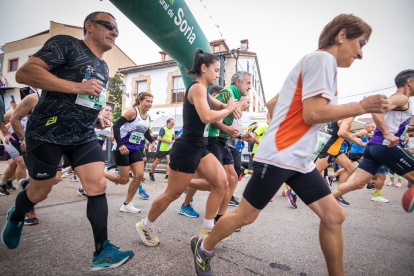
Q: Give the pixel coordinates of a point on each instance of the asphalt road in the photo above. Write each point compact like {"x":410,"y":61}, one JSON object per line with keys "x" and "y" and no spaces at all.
{"x":378,"y":237}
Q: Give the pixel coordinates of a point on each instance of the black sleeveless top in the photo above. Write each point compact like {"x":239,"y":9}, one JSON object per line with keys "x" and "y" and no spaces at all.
{"x":193,"y":127}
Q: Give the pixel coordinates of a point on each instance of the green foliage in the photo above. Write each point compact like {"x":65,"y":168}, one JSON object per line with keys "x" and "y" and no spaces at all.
{"x":115,"y":96}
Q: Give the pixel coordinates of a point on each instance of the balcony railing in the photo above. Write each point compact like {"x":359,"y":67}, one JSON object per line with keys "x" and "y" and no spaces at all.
{"x":178,"y":95}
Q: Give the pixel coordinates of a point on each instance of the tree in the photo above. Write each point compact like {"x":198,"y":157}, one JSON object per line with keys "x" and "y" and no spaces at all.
{"x":115,"y":96}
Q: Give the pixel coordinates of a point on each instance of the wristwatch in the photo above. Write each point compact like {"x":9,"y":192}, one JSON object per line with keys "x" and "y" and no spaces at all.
{"x":21,"y":139}
{"x":240,"y":136}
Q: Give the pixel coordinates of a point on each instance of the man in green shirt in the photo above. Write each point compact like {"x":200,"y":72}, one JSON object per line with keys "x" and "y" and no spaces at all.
{"x":165,"y":141}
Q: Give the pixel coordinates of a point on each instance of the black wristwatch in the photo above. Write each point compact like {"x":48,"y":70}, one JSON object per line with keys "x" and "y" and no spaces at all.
{"x":240,"y":136}
{"x":21,"y":139}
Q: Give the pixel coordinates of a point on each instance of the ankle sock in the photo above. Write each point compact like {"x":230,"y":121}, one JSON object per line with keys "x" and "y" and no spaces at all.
{"x":377,"y":192}
{"x":147,"y":223}
{"x":208,"y":224}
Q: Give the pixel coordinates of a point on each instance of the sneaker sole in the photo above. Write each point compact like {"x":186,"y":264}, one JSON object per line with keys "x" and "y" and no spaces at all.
{"x":142,"y":236}
{"x":132,"y":212}
{"x":113,"y":265}
{"x":31,"y":223}
{"x":144,"y":198}
{"x":187,"y":215}
{"x":234,"y":205}
{"x":343,"y":205}
{"x":382,"y":201}
{"x":408,"y":200}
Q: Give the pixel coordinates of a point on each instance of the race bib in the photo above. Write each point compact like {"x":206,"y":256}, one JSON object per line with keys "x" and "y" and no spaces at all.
{"x":323,"y":138}
{"x":206,"y":130}
{"x":136,"y":137}
{"x":103,"y":134}
{"x":97,"y":102}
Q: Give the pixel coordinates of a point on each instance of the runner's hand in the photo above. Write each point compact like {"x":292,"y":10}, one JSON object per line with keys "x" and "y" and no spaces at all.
{"x":123,"y":150}
{"x":91,"y":87}
{"x":102,"y":123}
{"x":233,"y":106}
{"x":233,"y":131}
{"x":374,"y":104}
{"x":8,"y":137}
{"x":111,"y":138}
{"x":359,"y":142}
{"x":249,"y":138}
{"x":152,"y":147}
{"x":23,"y":146}
{"x":392,"y":139}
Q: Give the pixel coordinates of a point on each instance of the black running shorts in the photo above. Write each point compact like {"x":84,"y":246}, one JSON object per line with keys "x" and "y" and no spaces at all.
{"x":331,"y":158}
{"x":355,"y":156}
{"x":396,"y":159}
{"x":267,"y":179}
{"x":162,"y":154}
{"x":127,"y":159}
{"x":221,"y":151}
{"x":43,"y":158}
{"x":185,"y":157}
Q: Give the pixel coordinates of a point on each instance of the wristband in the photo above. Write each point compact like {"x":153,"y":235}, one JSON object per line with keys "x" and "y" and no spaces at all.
{"x":21,"y":139}
{"x":240,"y":136}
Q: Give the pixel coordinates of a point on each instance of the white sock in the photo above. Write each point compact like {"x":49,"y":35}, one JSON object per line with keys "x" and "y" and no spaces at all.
{"x":202,"y":248}
{"x":147,"y":223}
{"x":208,"y":224}
{"x":65,"y":170}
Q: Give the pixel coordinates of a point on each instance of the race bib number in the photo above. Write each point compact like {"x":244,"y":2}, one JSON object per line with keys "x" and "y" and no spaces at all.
{"x":323,"y":138}
{"x":206,"y":130}
{"x":136,"y":137}
{"x":97,"y":102}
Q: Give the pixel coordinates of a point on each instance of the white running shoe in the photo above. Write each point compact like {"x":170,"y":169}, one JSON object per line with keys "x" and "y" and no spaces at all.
{"x":74,"y":178}
{"x":398,"y":185}
{"x":390,"y":183}
{"x":129,"y":208}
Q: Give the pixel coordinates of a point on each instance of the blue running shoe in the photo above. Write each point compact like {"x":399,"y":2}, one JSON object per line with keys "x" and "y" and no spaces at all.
{"x":24,"y":183}
{"x":110,"y":257}
{"x":12,"y":231}
{"x":30,"y":218}
{"x":143,"y":194}
{"x":188,"y":211}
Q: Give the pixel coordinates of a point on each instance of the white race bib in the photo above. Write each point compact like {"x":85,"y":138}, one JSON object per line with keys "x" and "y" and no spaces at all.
{"x":136,"y":137}
{"x":206,"y":130}
{"x":97,"y":102}
{"x":323,"y":138}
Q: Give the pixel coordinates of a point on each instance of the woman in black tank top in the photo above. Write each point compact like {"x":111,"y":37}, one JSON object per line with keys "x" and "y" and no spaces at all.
{"x":189,"y":153}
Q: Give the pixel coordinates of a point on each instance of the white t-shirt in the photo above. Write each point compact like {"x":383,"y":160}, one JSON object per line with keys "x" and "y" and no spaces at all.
{"x":289,"y":142}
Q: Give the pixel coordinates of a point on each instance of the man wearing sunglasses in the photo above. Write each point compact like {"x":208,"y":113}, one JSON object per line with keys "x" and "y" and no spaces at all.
{"x":74,"y":79}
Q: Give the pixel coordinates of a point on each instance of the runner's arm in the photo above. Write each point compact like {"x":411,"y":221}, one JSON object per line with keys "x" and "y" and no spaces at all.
{"x":22,"y":110}
{"x":230,"y":130}
{"x":398,"y":101}
{"x":35,"y":72}
{"x":343,"y":131}
{"x":379,"y":120}
{"x":148,"y":136}
{"x":271,"y":106}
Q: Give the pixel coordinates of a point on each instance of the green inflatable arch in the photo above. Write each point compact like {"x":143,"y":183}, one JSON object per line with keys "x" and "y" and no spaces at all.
{"x":171,"y":25}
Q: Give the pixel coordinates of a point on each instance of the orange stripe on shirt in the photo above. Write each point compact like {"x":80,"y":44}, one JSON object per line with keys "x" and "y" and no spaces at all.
{"x":293,"y":127}
{"x":313,"y":92}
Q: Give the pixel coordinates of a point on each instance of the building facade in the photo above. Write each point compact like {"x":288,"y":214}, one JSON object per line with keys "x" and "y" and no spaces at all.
{"x":163,"y":79}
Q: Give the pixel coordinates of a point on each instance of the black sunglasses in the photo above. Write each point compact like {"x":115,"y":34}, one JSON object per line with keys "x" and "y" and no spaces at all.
{"x":108,"y":25}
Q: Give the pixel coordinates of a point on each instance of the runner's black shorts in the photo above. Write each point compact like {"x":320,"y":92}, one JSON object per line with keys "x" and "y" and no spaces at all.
{"x":220,"y":149}
{"x":396,"y":159}
{"x":143,"y":152}
{"x":355,"y":156}
{"x":331,"y":158}
{"x":162,"y":154}
{"x":267,"y":179}
{"x":43,"y":158}
{"x":127,"y":159}
{"x":185,"y":157}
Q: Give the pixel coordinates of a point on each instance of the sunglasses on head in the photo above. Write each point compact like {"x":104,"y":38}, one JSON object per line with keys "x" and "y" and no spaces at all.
{"x":108,"y":25}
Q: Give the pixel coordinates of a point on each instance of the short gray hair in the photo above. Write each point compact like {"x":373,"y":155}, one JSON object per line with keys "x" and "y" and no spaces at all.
{"x":402,"y":78}
{"x":240,"y":75}
{"x":369,"y":124}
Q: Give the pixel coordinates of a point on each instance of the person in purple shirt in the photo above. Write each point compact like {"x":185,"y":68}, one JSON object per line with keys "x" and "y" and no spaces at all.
{"x":387,"y":145}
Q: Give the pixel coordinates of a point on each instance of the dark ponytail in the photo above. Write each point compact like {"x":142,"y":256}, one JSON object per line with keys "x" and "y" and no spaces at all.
{"x":201,"y":58}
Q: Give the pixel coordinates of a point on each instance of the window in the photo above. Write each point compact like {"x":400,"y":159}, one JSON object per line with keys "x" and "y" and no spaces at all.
{"x":13,"y":64}
{"x":142,"y":86}
{"x":216,"y":49}
{"x":178,"y":83}
{"x":178,"y":90}
{"x":167,"y":57}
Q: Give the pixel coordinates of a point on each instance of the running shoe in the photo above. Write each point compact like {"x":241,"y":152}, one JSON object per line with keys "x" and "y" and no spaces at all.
{"x":166,"y":178}
{"x":130,"y":175}
{"x":408,"y":200}
{"x":241,"y":175}
{"x":4,"y":190}
{"x":74,"y":178}
{"x":81,"y":192}
{"x":143,"y":179}
{"x":63,"y":175}
{"x":342,"y":201}
{"x":370,"y":187}
{"x":204,"y":233}
{"x":188,"y":211}
{"x":12,"y":231}
{"x":143,"y":194}
{"x":390,"y":183}
{"x":398,"y":185}
{"x":147,"y":234}
{"x":106,"y":169}
{"x":9,"y":185}
{"x":329,"y":180}
{"x":284,"y":193}
{"x":380,"y":199}
{"x":151,"y":176}
{"x":201,"y":258}
{"x":129,"y":208}
{"x":24,"y":183}
{"x":291,"y":199}
{"x":110,"y":257}
{"x":234,"y":202}
{"x":30,"y":218}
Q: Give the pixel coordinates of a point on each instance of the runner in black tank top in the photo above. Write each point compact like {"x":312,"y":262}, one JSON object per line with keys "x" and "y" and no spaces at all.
{"x":189,"y":153}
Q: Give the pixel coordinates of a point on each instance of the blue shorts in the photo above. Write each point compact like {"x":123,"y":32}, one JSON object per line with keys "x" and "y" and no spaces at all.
{"x":395,"y":158}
